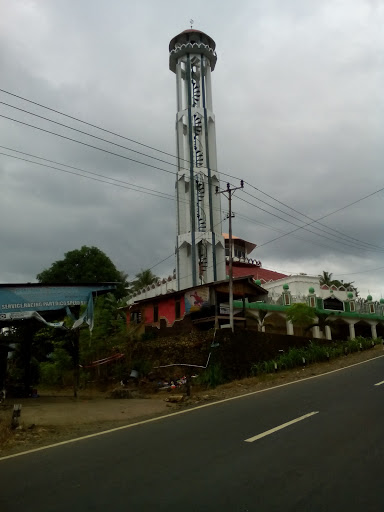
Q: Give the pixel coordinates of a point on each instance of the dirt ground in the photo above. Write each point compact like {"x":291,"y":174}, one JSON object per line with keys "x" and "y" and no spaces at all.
{"x":57,"y":416}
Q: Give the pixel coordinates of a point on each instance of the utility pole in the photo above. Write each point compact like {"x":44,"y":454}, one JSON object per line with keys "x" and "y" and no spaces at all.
{"x":228,"y":192}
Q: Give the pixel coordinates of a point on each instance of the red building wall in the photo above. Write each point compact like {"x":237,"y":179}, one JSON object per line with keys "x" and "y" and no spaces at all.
{"x":166,"y":310}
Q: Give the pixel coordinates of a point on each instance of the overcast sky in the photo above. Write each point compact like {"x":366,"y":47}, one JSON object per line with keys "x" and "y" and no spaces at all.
{"x":298,"y":95}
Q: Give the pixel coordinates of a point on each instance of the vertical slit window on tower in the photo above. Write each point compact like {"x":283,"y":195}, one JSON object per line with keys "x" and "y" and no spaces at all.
{"x":155,"y":313}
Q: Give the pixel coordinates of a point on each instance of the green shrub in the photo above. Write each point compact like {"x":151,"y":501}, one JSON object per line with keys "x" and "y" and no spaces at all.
{"x":313,"y":353}
{"x":52,"y":373}
{"x":316,"y":353}
{"x":212,"y":376}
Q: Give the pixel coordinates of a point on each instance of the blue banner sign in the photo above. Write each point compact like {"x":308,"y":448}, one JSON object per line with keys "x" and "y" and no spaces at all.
{"x":15,"y":299}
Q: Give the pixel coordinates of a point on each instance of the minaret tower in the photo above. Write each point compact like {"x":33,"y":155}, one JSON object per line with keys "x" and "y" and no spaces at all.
{"x":200,"y":250}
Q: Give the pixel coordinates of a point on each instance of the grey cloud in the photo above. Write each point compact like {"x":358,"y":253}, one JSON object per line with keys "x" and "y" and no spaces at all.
{"x":298,"y":104}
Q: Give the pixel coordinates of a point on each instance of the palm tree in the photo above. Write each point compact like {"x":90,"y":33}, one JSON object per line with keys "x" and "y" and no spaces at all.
{"x":326,"y":278}
{"x":143,"y":279}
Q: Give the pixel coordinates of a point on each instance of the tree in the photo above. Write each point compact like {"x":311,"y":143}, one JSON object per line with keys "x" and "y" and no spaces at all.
{"x":326,"y":278}
{"x":85,"y":265}
{"x":304,"y":316}
{"x":301,"y":314}
{"x":143,"y":279}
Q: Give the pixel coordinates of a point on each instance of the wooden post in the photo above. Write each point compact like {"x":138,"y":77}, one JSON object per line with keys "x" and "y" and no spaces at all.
{"x":76,"y":361}
{"x":26,"y":348}
{"x":188,"y":383}
{"x":15,"y":415}
{"x":75,"y":338}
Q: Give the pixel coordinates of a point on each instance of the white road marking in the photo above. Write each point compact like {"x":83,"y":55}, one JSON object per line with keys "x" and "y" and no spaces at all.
{"x":185,"y":411}
{"x":272,"y":430}
{"x":380,"y":383}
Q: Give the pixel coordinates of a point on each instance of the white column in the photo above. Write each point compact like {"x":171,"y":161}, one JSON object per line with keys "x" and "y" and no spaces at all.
{"x":352,"y":334}
{"x":328,"y":332}
{"x":316,"y":331}
{"x":373,"y":330}
{"x":290,"y":328}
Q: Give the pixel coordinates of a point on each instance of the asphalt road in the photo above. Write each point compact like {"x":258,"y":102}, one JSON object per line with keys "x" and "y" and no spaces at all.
{"x":201,"y":461}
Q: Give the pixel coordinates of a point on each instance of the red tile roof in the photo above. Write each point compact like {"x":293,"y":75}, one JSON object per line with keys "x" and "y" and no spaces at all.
{"x":263,"y":274}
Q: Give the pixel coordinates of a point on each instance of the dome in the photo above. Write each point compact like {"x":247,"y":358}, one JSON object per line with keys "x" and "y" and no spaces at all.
{"x":369,"y":297}
{"x":188,"y":36}
{"x":191,"y":41}
{"x":311,"y":289}
{"x":350,"y":295}
{"x":381,"y":301}
{"x":258,"y":282}
{"x":286,"y":287}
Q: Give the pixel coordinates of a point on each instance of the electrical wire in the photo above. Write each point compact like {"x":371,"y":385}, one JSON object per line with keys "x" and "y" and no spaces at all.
{"x":129,"y":187}
{"x":168,"y":163}
{"x":88,"y":145}
{"x":300,"y":227}
{"x":89,"y":124}
{"x":100,"y":138}
{"x":154,"y":192}
{"x":80,"y":169}
{"x":344,"y":236}
{"x":325,"y":216}
{"x":350,"y":243}
{"x":145,"y":190}
{"x":91,"y":135}
{"x":310,"y":218}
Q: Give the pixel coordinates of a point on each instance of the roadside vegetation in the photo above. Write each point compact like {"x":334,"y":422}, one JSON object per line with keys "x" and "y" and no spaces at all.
{"x":313,"y":353}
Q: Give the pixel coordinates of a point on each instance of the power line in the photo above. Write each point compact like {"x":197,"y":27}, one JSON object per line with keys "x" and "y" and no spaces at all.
{"x":297,"y":229}
{"x":156,"y":167}
{"x":91,"y":135}
{"x":88,"y":124}
{"x":96,"y":137}
{"x":286,"y":233}
{"x":91,"y":146}
{"x":361,"y":272}
{"x":81,"y":170}
{"x":327,"y":215}
{"x":145,"y":191}
{"x":300,"y":227}
{"x":289,"y":215}
{"x":345,"y":236}
{"x":306,"y":216}
{"x":88,"y":145}
{"x":152,"y":191}
{"x":155,"y":193}
{"x":129,"y":187}
{"x":351,"y":243}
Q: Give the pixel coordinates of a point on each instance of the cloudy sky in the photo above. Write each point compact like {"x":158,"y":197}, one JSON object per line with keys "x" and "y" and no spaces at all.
{"x":299,"y":104}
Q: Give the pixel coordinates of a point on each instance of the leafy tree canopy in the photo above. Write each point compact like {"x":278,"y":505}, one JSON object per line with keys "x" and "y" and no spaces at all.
{"x":301,"y":314}
{"x":85,"y":265}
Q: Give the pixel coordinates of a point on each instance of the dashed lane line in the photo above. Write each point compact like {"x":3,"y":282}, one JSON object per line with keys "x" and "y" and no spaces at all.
{"x":280,"y":427}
